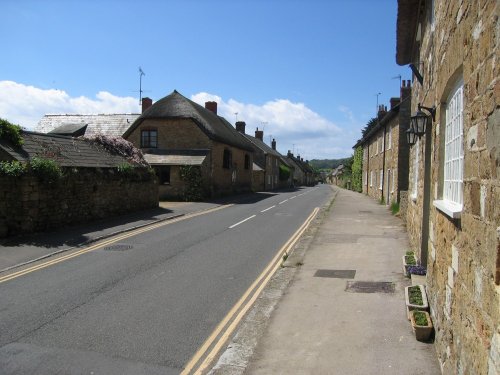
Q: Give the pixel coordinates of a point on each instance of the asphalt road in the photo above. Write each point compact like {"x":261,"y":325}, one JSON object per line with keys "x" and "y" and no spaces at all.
{"x":146,"y":306}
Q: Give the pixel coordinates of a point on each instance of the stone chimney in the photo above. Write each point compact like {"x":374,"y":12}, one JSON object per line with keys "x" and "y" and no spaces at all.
{"x":405,"y":89}
{"x":259,"y":134}
{"x":273,"y":144}
{"x":240,"y":126}
{"x":289,"y":154}
{"x":146,"y":103}
{"x":382,"y":110}
{"x":211,"y":106}
{"x":394,"y":102}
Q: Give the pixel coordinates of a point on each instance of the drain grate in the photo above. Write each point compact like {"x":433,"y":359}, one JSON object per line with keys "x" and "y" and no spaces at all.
{"x":336,"y":274}
{"x":369,"y":287}
{"x":118,"y":247}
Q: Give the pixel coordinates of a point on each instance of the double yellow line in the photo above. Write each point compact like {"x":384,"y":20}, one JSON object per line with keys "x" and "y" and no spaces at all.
{"x":227,"y":326}
{"x":104,"y":244}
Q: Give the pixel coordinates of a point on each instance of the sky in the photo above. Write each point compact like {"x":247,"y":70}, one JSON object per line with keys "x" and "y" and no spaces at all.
{"x":308,"y":72}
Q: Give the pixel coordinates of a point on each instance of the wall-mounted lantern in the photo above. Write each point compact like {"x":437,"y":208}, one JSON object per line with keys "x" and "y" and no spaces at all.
{"x":419,"y":122}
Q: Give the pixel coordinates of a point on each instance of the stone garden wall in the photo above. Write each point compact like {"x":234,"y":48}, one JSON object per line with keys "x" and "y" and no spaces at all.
{"x":29,"y":204}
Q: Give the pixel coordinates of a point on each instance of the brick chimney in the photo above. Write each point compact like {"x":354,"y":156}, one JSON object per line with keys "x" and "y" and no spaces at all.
{"x":259,"y":134}
{"x":240,"y":126}
{"x":273,"y":144}
{"x":146,"y":103}
{"x":211,"y":106}
{"x":395,"y":102}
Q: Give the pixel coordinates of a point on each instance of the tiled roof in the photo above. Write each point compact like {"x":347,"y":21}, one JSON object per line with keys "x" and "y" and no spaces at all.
{"x":65,"y":151}
{"x":262,"y":146}
{"x":176,"y":157}
{"x":177,"y":106}
{"x":108,"y":124}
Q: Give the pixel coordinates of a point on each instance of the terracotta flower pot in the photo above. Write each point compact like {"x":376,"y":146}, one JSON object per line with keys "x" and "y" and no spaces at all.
{"x":422,"y":332}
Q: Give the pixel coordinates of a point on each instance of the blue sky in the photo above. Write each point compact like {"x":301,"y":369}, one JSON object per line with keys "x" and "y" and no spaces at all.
{"x":307,"y":71}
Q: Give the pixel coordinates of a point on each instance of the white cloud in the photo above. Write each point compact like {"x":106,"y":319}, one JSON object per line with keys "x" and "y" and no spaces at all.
{"x":26,"y":105}
{"x":293,"y":125}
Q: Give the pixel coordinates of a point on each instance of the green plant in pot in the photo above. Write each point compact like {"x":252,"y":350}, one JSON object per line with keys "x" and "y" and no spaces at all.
{"x":421,"y":323}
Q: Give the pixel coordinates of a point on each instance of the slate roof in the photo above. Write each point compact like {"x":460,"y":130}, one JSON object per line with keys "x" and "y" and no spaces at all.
{"x":176,"y":157}
{"x":109,"y":124}
{"x":177,"y":106}
{"x":65,"y":151}
{"x":262,"y":146}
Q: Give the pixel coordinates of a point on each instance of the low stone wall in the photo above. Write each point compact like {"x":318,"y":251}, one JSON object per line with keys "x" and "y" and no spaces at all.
{"x":28,"y":204}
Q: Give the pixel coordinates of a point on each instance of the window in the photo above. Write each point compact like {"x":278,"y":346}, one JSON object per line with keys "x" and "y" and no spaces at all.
{"x":149,"y":138}
{"x":371,"y":178}
{"x":163,"y":173}
{"x":247,"y":161}
{"x":389,"y":138}
{"x":416,"y":163}
{"x":366,"y":178}
{"x":227,"y":159}
{"x":381,"y":179}
{"x":451,"y":203}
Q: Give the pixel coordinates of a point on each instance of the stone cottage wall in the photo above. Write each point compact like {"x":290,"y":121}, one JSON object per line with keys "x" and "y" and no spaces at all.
{"x":30,"y":205}
{"x":463,"y":254}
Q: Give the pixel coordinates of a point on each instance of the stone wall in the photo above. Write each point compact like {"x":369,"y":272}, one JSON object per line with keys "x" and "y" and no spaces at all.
{"x":460,"y":42}
{"x":30,"y":205}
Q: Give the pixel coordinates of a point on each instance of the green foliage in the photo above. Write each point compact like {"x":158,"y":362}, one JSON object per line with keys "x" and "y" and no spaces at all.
{"x":284,"y":172}
{"x":10,"y":132}
{"x":125,"y":168}
{"x":420,"y":318}
{"x":45,"y":169}
{"x":327,"y":164}
{"x":394,"y":208}
{"x":357,"y":169}
{"x":369,"y":126}
{"x":410,"y":260}
{"x":192,"y":176}
{"x":12,"y":168}
{"x":415,"y":295}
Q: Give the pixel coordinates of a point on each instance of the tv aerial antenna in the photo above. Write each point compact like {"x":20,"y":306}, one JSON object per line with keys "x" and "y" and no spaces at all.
{"x":141,"y":73}
{"x":396,"y":77}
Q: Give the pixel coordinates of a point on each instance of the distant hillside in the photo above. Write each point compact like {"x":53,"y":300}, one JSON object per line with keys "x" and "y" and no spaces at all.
{"x":327,"y":163}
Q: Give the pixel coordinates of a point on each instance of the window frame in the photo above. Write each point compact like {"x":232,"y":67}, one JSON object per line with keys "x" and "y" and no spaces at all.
{"x":227,"y":159}
{"x":149,"y":143}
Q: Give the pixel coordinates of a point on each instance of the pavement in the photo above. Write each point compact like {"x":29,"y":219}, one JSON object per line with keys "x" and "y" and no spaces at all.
{"x":317,"y":316}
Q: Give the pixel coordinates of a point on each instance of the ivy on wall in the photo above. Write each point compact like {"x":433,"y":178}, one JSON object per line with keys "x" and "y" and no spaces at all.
{"x":191,"y":175}
{"x":357,"y":169}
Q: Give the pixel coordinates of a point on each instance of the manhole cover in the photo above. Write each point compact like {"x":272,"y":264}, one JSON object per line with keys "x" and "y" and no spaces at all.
{"x":336,"y":274}
{"x":369,"y":287}
{"x":118,"y":247}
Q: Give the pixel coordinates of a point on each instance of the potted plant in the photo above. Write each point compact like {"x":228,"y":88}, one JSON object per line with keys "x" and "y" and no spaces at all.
{"x":422,"y":324}
{"x":408,"y":260}
{"x":417,"y":270}
{"x":416,"y":299}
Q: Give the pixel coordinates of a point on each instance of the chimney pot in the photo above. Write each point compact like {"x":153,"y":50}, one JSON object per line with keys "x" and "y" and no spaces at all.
{"x":146,"y":103}
{"x":240,"y":126}
{"x":211,"y":106}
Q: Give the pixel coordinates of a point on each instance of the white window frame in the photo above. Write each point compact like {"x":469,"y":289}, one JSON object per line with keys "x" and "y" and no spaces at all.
{"x":366,"y":178}
{"x":381,"y":179}
{"x":371,"y":178}
{"x":451,"y":203}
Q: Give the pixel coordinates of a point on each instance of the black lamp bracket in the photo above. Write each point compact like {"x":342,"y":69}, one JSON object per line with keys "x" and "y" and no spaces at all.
{"x":431,"y":110}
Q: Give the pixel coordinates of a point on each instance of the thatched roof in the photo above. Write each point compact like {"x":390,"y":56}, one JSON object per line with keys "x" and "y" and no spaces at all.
{"x":177,"y":106}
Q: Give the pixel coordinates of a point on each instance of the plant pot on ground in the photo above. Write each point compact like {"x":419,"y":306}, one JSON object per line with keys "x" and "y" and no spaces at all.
{"x":416,"y":299}
{"x":421,"y":323}
{"x":408,"y":260}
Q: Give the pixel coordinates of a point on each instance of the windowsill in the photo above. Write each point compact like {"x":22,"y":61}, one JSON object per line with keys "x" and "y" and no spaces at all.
{"x":448,"y":208}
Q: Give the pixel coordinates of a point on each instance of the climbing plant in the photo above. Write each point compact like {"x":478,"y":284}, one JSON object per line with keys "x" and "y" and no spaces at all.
{"x":191,"y":175}
{"x":284,"y":172}
{"x":357,"y":169}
